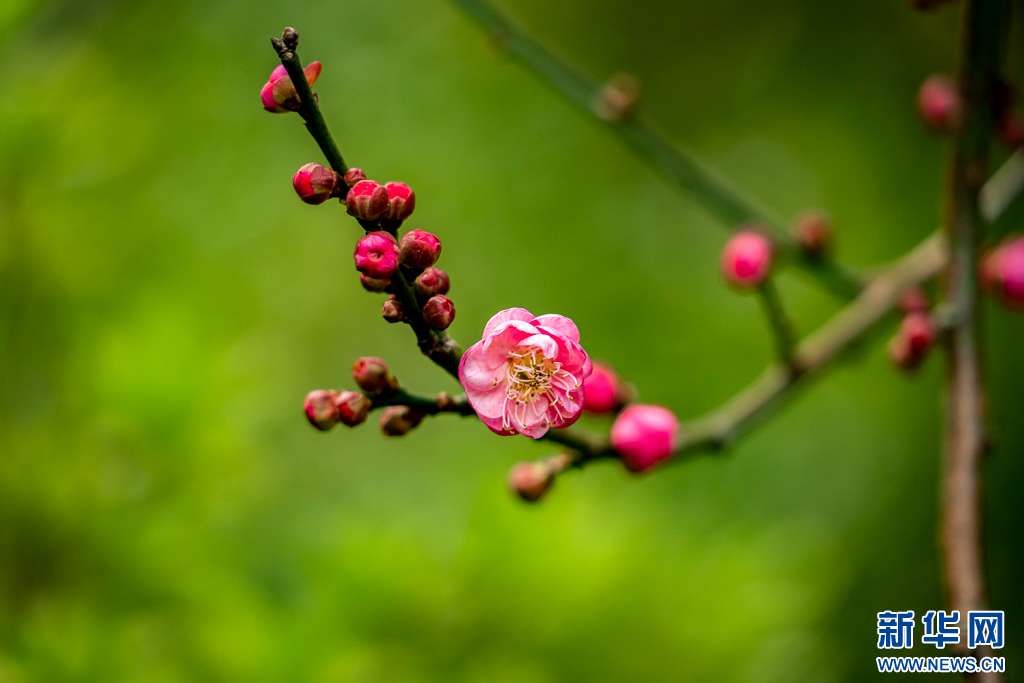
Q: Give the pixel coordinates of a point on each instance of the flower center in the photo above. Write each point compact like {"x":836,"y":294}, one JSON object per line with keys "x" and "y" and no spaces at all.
{"x":530,"y":376}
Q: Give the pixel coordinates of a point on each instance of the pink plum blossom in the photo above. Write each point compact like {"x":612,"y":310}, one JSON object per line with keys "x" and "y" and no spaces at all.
{"x":526,"y":374}
{"x":644,"y":435}
{"x":278,"y":93}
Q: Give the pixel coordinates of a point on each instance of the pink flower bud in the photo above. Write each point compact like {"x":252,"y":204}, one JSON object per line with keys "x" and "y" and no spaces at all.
{"x":352,"y":407}
{"x":401,"y":202}
{"x":376,"y":255}
{"x":373,"y":375}
{"x":320,"y":408}
{"x":1002,"y":272}
{"x":644,"y":435}
{"x":747,"y":259}
{"x":399,"y":420}
{"x":367,"y":200}
{"x":530,"y":480}
{"x":813,"y":234}
{"x":913,"y":341}
{"x":372,"y":284}
{"x":419,"y":249}
{"x":354,"y":175}
{"x":392,"y":310}
{"x":439,"y":312}
{"x":278,"y":93}
{"x":601,"y":390}
{"x":939,"y":103}
{"x":314,"y":183}
{"x":432,"y":281}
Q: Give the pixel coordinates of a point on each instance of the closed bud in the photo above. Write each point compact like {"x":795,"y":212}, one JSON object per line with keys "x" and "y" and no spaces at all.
{"x":601,"y":392}
{"x":530,"y":480}
{"x":354,"y":175}
{"x":618,"y":98}
{"x":747,"y":259}
{"x":439,"y":312}
{"x":353,"y":407}
{"x":939,"y":103}
{"x":376,"y":255}
{"x":812,"y":234}
{"x":419,"y":249}
{"x":320,"y":408}
{"x":401,"y":202}
{"x":278,"y":93}
{"x":399,"y":420}
{"x":373,"y":375}
{"x":644,"y":435}
{"x":367,"y":200}
{"x":373,"y":284}
{"x":432,"y":281}
{"x":914,"y":300}
{"x":392,"y":310}
{"x":314,"y":183}
{"x":1011,"y":130}
{"x":912,"y":342}
{"x":1002,"y":272}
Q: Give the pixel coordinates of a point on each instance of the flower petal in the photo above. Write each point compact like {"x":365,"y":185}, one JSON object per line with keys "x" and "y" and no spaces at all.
{"x":545,"y":343}
{"x":560,"y":324}
{"x":505,"y":316}
{"x":480,"y":371}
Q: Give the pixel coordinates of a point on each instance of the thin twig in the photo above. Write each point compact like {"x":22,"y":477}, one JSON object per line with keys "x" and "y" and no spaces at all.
{"x":434,"y":344}
{"x":983,"y":41}
{"x":308,"y":108}
{"x":782,"y":329}
{"x":428,"y":405}
{"x":712,"y":193}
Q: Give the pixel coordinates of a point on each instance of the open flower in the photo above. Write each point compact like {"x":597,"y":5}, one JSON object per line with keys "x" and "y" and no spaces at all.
{"x":526,"y":374}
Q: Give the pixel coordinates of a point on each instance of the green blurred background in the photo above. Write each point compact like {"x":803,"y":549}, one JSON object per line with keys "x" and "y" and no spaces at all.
{"x":166,"y":514}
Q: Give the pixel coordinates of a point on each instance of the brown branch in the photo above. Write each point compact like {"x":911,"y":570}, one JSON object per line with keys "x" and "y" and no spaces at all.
{"x":984,"y":27}
{"x":721,"y":427}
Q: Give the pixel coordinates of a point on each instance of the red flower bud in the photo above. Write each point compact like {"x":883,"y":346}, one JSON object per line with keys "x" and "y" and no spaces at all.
{"x":354,"y":175}
{"x":747,"y":259}
{"x":1011,"y":129}
{"x":530,"y":480}
{"x":432,"y":281}
{"x":320,"y":408}
{"x":1002,"y":272}
{"x":813,"y":234}
{"x":392,"y":310}
{"x":401,"y":202}
{"x":372,"y":284}
{"x":419,"y":249}
{"x":439,"y":312}
{"x":373,"y":375}
{"x":314,"y":183}
{"x":913,"y":341}
{"x":352,"y":407}
{"x":939,"y":103}
{"x":278,"y":93}
{"x":399,"y":420}
{"x":601,"y":390}
{"x":376,"y":255}
{"x":367,"y":200}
